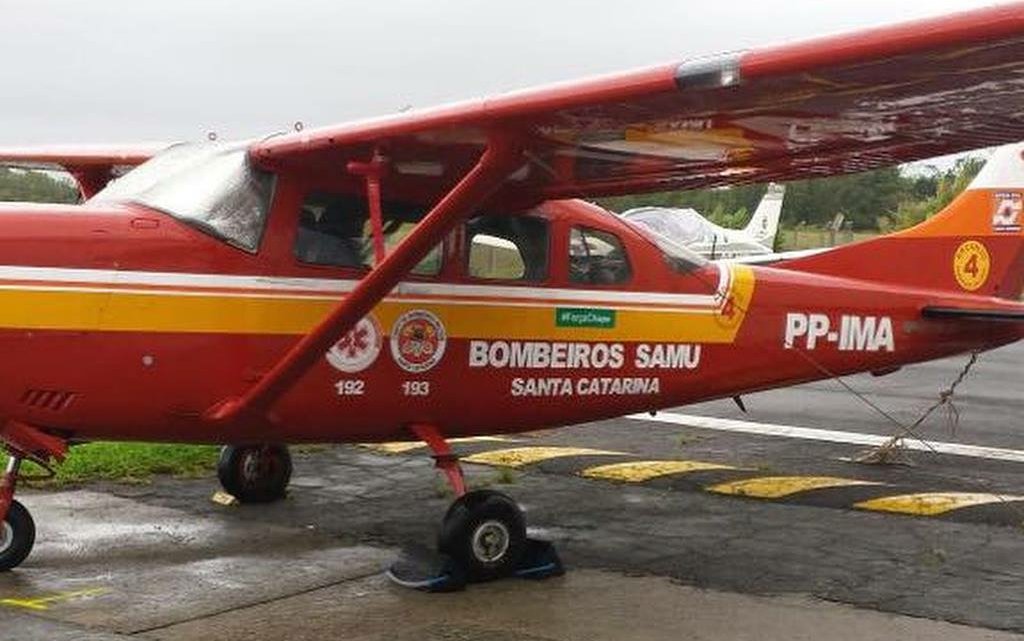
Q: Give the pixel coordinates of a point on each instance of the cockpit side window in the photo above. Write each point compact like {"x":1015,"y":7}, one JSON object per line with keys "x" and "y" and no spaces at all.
{"x":597,"y":258}
{"x":335,"y":230}
{"x":506,"y":247}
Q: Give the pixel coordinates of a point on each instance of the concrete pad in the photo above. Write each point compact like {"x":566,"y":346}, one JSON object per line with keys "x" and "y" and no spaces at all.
{"x":167,"y":563}
{"x":584,"y":605}
{"x":122,"y":565}
{"x":18,"y":626}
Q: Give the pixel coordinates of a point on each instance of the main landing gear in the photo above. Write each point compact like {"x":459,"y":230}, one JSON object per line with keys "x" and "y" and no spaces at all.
{"x":484,"y":532}
{"x":255,"y":473}
{"x":483,"y":536}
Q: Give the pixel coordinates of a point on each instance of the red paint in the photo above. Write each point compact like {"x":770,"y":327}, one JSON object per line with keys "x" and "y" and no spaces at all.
{"x":117,"y":397}
{"x":985,"y":25}
{"x":8,"y":485}
{"x":444,"y":458}
{"x":373,"y":172}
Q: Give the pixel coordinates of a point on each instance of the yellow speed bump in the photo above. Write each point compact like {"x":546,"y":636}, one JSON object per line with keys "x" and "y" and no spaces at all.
{"x":933,"y":503}
{"x":774,"y":487}
{"x":520,"y":456}
{"x":640,"y":471}
{"x":401,"y":447}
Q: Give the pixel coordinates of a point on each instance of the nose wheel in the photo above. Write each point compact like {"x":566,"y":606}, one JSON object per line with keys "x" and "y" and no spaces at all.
{"x":17,"y":536}
{"x":255,"y":473}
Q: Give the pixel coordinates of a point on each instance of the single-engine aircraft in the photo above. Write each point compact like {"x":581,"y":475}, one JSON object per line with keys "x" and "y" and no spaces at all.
{"x":689,"y":228}
{"x":325,"y":285}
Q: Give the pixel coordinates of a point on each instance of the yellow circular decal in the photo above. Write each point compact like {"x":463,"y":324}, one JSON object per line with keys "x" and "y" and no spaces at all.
{"x":731,"y":310}
{"x":971,"y":265}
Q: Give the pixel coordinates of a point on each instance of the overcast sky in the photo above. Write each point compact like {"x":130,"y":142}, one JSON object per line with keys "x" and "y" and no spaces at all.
{"x":132,"y":70}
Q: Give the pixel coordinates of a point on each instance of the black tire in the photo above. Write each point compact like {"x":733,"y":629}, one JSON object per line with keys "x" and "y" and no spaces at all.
{"x":17,"y":536}
{"x":255,"y":473}
{"x":485,"y":533}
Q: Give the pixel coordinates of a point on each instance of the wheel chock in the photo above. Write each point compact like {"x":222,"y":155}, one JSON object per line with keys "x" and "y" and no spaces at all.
{"x":430,"y":571}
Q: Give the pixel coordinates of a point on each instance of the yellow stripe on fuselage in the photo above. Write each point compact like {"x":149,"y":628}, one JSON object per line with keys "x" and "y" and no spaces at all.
{"x":196,"y":311}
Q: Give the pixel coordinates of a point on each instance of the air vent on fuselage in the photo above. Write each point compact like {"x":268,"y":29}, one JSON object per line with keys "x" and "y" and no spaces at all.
{"x":48,"y":399}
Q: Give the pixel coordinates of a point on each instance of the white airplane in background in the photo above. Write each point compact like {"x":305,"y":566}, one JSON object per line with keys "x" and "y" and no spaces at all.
{"x":697,"y":233}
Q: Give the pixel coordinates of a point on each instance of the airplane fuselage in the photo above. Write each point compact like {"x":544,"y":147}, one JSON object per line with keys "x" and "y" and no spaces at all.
{"x":121,"y":323}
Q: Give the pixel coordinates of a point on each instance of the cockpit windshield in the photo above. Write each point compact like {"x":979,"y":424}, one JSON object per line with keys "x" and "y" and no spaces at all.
{"x":212,"y":187}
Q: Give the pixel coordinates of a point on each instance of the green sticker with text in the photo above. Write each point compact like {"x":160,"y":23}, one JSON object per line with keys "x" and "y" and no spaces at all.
{"x":584,"y":317}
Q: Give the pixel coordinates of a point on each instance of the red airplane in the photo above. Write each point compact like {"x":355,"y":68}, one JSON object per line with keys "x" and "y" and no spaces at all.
{"x":424,"y":275}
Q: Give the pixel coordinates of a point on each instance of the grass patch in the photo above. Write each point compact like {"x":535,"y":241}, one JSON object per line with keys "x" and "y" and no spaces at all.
{"x":128,"y":463}
{"x":504,"y":476}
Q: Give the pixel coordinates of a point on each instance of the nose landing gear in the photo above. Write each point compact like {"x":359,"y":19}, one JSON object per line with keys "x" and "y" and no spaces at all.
{"x":17,"y":529}
{"x":483,"y":535}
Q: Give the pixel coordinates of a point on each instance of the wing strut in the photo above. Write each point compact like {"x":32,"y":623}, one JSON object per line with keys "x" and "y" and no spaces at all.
{"x":500,"y":158}
{"x":91,"y":180}
{"x":373,"y":172}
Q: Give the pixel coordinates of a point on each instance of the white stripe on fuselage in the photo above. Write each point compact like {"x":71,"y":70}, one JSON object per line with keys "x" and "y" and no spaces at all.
{"x":50,"y":278}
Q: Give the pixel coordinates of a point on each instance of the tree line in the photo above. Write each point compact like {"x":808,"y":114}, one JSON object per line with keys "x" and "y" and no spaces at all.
{"x":882,"y":199}
{"x":35,"y":186}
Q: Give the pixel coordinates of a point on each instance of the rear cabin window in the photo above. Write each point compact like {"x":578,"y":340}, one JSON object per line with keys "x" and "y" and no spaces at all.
{"x":335,"y":230}
{"x":507,"y":247}
{"x":597,"y":258}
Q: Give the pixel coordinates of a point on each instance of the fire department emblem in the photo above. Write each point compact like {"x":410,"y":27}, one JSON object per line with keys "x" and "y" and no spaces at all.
{"x":1006,"y":216}
{"x":359,"y":348}
{"x":418,"y":340}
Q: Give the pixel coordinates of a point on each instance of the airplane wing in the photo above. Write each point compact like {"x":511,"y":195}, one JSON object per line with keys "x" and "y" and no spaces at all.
{"x":92,"y":166}
{"x":833,"y":105}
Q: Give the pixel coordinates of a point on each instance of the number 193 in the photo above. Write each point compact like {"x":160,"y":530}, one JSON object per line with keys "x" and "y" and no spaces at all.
{"x":416,"y":388}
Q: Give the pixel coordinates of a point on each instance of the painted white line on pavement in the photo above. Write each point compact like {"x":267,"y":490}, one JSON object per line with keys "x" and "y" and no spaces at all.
{"x":833,"y":436}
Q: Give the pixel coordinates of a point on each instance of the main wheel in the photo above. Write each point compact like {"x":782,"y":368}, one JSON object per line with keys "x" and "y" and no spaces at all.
{"x":17,"y":536}
{"x":255,"y":473}
{"x":484,"y":531}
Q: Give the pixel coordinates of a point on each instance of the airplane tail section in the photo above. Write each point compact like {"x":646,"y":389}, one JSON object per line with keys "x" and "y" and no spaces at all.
{"x":975,"y":245}
{"x":764,"y":224}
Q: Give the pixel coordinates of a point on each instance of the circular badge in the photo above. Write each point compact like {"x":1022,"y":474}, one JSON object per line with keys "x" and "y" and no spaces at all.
{"x":971,"y":264}
{"x":359,"y":348}
{"x":731,"y":305}
{"x":418,"y":340}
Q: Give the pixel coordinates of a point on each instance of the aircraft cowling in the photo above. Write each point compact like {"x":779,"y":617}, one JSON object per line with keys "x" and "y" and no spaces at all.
{"x":108,"y":236}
